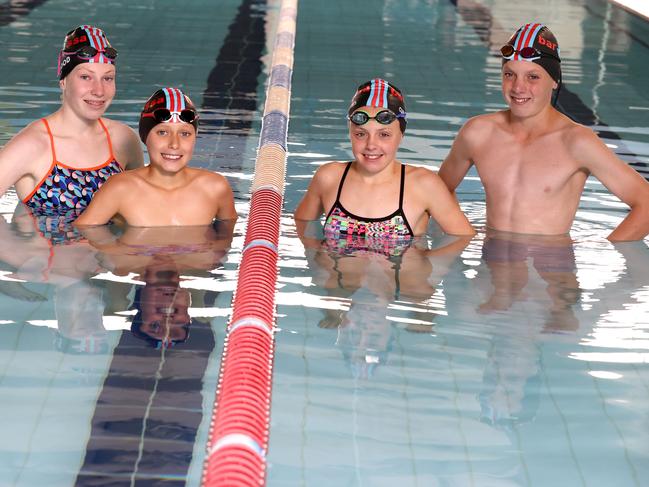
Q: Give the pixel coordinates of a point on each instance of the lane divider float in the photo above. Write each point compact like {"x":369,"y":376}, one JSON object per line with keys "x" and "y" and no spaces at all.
{"x":238,"y":438}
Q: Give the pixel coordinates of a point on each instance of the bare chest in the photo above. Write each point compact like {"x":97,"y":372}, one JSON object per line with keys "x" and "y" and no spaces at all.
{"x":539,"y":168}
{"x":184,"y":206}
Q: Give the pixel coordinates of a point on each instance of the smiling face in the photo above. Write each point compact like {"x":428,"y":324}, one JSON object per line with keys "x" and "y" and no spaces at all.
{"x":89,"y":89}
{"x":374,"y":145}
{"x":527,"y":87}
{"x":171,"y":146}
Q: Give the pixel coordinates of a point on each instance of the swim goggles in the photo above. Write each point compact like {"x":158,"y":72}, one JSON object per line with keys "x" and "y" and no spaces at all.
{"x":529,"y":53}
{"x":161,"y":115}
{"x":89,"y":52}
{"x":384,"y":117}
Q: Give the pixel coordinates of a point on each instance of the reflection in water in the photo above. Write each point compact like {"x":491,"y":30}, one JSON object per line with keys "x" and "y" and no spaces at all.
{"x":46,"y":249}
{"x":129,"y":401}
{"x":371,"y":275}
{"x":514,"y":263}
{"x":499,"y":381}
{"x":151,"y":399}
{"x":157,"y":256}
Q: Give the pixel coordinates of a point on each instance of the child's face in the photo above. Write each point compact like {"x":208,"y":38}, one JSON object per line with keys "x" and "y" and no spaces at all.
{"x":171,"y":145}
{"x":374,"y":145}
{"x":89,"y":89}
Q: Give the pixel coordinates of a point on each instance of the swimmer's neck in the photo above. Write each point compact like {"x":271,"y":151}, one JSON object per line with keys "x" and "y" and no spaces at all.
{"x":67,"y":122}
{"x":533,"y":125}
{"x":388,"y":173}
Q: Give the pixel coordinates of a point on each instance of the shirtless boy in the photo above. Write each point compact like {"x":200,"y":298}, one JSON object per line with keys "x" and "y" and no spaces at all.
{"x":166,"y":192}
{"x":532,"y":160}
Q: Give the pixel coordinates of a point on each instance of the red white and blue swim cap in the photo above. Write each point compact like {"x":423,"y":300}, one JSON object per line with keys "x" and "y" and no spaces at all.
{"x":381,"y":94}
{"x":534,"y":42}
{"x":85,"y":44}
{"x":167,"y":105}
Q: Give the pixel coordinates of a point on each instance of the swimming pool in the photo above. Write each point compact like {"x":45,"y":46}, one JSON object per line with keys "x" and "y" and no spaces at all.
{"x":465,"y":375}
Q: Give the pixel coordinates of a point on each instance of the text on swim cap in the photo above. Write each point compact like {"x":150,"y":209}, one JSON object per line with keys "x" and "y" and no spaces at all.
{"x":152,"y":103}
{"x":547,"y":43}
{"x":76,"y":40}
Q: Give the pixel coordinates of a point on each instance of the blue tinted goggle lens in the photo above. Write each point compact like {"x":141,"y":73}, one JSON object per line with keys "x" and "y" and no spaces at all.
{"x":384,"y":117}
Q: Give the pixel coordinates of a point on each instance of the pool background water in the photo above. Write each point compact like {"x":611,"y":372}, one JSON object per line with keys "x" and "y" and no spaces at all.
{"x":423,"y":388}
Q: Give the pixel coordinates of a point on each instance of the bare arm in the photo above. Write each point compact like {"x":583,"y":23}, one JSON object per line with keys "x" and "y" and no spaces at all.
{"x":105,"y":203}
{"x":226,"y":209}
{"x":444,"y":208}
{"x":621,"y":179}
{"x":311,"y":207}
{"x":20,"y":158}
{"x":457,"y":163}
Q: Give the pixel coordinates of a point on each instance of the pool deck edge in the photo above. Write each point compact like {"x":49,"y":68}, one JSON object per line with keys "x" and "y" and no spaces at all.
{"x":637,"y":7}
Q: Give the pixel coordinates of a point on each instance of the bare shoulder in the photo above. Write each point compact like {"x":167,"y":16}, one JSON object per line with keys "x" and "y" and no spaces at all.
{"x":423,"y":179}
{"x":31,"y":140}
{"x":578,"y":138}
{"x":204,"y":176}
{"x":484,"y":122}
{"x":118,"y":131}
{"x":329,"y":173}
{"x":480,"y":128}
{"x":125,"y":182}
{"x":126,"y":144}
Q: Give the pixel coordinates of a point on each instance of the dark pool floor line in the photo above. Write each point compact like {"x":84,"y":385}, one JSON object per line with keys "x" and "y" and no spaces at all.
{"x":148,"y":413}
{"x":233,"y":83}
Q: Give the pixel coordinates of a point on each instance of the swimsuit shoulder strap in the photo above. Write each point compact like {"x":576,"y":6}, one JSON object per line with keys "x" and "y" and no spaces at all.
{"x":110,"y":144}
{"x":340,"y":188}
{"x":402,"y":191}
{"x":49,"y":133}
{"x":401,"y":187}
{"x":342,"y":181}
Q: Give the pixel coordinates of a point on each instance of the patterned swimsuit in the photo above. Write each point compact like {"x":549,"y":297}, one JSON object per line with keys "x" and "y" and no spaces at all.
{"x":346,"y":232}
{"x":66,"y":190}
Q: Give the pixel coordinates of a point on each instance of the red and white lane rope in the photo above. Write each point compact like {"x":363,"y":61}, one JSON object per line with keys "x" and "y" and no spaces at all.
{"x":238,"y":438}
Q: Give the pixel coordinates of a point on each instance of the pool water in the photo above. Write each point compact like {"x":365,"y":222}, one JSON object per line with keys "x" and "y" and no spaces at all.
{"x":504,"y":362}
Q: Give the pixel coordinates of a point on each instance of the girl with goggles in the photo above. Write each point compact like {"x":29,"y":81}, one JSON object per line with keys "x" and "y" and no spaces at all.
{"x":375,"y":196}
{"x":57,"y":163}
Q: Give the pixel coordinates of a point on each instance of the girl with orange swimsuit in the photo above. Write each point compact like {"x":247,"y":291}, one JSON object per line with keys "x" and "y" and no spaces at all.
{"x":57,"y":163}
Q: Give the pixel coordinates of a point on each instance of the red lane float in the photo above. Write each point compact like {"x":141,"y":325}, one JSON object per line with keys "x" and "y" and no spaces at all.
{"x":238,"y":438}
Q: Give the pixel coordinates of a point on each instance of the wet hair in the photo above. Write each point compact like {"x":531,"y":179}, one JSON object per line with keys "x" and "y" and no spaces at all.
{"x":379,"y":93}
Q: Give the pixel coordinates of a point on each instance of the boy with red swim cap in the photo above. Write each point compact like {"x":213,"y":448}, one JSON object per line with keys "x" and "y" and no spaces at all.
{"x":532,"y":160}
{"x":166,"y":192}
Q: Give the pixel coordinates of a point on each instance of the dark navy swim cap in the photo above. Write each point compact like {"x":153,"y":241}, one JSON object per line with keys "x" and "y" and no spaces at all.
{"x":85,"y":44}
{"x":167,"y":105}
{"x":381,"y":94}
{"x":537,"y":44}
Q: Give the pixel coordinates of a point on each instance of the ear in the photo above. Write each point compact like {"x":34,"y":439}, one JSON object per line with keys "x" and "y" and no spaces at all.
{"x":62,"y":84}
